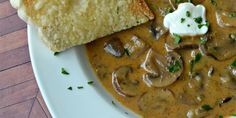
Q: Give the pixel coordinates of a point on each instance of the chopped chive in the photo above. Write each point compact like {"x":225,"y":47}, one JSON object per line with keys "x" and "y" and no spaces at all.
{"x":90,"y":82}
{"x":80,"y":87}
{"x":233,"y":114}
{"x":206,"y":107}
{"x":177,"y":38}
{"x":198,"y":20}
{"x":70,"y":88}
{"x":182,"y":20}
{"x":188,"y":25}
{"x":188,"y":14}
{"x":127,"y":52}
{"x":56,"y":53}
{"x":64,"y":72}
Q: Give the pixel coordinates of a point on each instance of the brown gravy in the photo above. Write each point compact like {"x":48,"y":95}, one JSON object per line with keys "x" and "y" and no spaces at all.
{"x":196,"y":79}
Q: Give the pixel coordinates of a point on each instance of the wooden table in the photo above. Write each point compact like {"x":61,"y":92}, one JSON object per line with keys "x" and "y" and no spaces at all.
{"x":19,"y":94}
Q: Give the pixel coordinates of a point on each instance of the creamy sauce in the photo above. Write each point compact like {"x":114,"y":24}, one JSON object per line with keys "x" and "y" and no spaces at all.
{"x":147,"y":71}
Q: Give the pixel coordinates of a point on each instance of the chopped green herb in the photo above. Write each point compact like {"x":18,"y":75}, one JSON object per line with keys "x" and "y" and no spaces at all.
{"x":232,"y":14}
{"x":175,"y":67}
{"x":113,"y":103}
{"x":233,"y":65}
{"x":80,"y":87}
{"x":90,"y":82}
{"x":206,"y":107}
{"x":188,"y":14}
{"x":64,"y":72}
{"x":220,"y":116}
{"x":196,"y":59}
{"x":177,"y":38}
{"x":188,"y":25}
{"x":127,"y":52}
{"x":182,"y":20}
{"x":214,"y":2}
{"x":168,"y":10}
{"x":203,"y":40}
{"x":233,"y":114}
{"x":201,"y":25}
{"x":178,"y":1}
{"x":198,"y":20}
{"x":56,"y":53}
{"x":70,"y":88}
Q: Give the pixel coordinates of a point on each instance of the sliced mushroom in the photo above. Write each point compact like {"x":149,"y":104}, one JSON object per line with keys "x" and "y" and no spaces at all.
{"x":225,"y":13}
{"x":228,"y":81}
{"x":122,"y":84}
{"x":162,"y":71}
{"x":222,"y":46}
{"x":136,"y":46}
{"x":188,"y":99}
{"x":226,"y":19}
{"x":114,"y":47}
{"x":157,"y":31}
{"x":156,"y":100}
{"x":186,"y":43}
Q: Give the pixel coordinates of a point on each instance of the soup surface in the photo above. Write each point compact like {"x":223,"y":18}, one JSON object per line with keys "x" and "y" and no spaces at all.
{"x":158,"y":75}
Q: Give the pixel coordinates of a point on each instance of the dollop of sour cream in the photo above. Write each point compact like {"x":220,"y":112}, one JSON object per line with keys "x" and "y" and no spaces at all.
{"x":187,"y":20}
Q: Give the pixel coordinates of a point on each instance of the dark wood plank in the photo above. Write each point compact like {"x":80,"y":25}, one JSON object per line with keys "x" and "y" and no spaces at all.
{"x":18,"y":93}
{"x":20,"y":110}
{"x":43,"y":105}
{"x":13,"y":40}
{"x":3,"y":1}
{"x":6,"y":9}
{"x":16,"y":75}
{"x":11,"y":24}
{"x":14,"y":57}
{"x":37,"y":111}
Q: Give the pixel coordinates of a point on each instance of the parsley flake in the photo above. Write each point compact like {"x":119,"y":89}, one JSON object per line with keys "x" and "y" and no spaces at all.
{"x":177,"y":38}
{"x":80,"y":87}
{"x":206,"y":107}
{"x":70,"y":88}
{"x":90,"y":82}
{"x":64,"y":72}
{"x":188,"y":14}
{"x":198,"y":20}
{"x":233,"y":65}
{"x":182,"y":20}
{"x":175,"y":67}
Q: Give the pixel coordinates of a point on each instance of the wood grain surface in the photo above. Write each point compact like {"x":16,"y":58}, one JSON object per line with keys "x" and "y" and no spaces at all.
{"x":19,"y":93}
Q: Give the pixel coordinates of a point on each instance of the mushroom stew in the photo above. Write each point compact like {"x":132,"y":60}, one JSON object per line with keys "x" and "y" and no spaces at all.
{"x":157,"y":75}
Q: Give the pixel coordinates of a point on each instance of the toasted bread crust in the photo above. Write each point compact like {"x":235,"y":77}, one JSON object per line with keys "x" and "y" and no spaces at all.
{"x":64,"y":24}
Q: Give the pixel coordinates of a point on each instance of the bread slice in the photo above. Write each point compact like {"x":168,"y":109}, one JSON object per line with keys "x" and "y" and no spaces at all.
{"x":67,"y":23}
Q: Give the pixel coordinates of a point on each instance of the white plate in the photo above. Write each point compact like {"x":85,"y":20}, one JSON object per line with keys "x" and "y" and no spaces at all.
{"x":90,"y":102}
